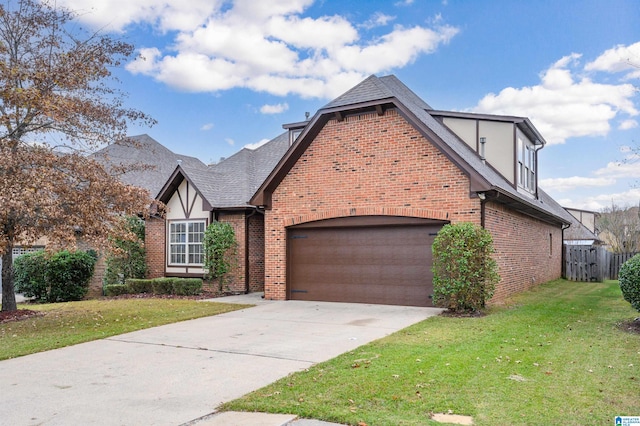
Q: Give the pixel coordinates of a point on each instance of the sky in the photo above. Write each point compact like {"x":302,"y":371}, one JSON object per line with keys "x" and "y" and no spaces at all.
{"x":220,"y":75}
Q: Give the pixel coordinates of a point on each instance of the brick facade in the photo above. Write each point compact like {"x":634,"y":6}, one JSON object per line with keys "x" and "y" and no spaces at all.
{"x":528,"y":251}
{"x":256,"y":252}
{"x":155,"y":231}
{"x":381,"y":165}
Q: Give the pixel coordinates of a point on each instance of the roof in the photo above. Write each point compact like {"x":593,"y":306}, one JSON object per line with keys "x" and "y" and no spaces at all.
{"x":231,"y":182}
{"x":578,"y":232}
{"x":159,"y":162}
{"x":379,"y":93}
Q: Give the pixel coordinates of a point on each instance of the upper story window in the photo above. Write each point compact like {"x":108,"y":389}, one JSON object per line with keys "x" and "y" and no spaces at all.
{"x":185,"y":242}
{"x":526,"y":169}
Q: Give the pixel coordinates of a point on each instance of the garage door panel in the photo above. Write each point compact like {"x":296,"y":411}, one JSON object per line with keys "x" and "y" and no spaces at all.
{"x":387,"y":265}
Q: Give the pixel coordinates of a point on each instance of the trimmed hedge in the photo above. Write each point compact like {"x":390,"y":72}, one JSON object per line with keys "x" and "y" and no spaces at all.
{"x":629,"y":277}
{"x":60,"y":277}
{"x":167,"y":285}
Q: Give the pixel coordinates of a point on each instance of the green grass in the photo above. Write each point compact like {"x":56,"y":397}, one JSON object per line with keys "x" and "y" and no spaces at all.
{"x":554,"y":355}
{"x":65,"y":324}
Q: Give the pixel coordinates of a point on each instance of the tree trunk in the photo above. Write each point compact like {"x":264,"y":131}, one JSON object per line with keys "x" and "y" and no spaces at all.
{"x":8,"y":293}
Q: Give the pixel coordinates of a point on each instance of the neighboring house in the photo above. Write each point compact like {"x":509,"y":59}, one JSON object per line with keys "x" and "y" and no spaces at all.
{"x":194,"y":197}
{"x":582,"y":231}
{"x":349,"y":211}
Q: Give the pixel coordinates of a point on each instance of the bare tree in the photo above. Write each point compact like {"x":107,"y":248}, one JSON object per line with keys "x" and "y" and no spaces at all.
{"x":55,"y":106}
{"x":620,"y":228}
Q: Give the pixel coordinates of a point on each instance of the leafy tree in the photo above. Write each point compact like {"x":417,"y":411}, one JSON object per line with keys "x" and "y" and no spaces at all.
{"x":56,"y":106}
{"x":464,"y":273}
{"x":620,"y":228}
{"x":220,"y":247}
{"x":126,"y":257}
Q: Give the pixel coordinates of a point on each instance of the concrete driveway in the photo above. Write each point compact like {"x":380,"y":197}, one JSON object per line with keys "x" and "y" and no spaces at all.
{"x":179,"y":373}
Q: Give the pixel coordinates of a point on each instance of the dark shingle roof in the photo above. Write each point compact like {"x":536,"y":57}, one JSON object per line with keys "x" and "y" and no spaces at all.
{"x":232,"y":182}
{"x":146,"y":151}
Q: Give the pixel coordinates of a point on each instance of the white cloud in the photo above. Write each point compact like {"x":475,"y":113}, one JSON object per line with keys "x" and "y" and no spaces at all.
{"x":207,"y":126}
{"x":618,"y":59}
{"x":378,"y":19}
{"x":599,"y":202}
{"x":274,"y":109}
{"x":628,"y":124}
{"x":230,"y":141}
{"x":271,"y":47}
{"x":570,"y":183}
{"x":166,"y":15}
{"x":257,"y":144}
{"x":629,"y":168}
{"x":564,"y":105}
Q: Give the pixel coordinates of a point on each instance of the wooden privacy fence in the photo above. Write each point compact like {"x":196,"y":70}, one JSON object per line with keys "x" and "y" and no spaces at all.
{"x":592,"y":263}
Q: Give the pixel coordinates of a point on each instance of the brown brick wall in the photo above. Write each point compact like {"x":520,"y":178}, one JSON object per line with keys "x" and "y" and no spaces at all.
{"x":155,"y":229}
{"x":256,"y":253}
{"x":366,"y":164}
{"x":528,"y":251}
{"x":371,"y":165}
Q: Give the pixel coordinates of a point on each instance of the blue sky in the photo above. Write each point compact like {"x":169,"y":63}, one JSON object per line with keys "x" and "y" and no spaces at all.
{"x":221,"y":75}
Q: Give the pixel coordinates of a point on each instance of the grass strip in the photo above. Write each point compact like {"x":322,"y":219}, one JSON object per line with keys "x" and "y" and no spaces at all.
{"x":64,"y":324}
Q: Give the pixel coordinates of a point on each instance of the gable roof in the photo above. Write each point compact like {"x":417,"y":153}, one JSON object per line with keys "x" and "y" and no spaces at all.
{"x":386,"y":92}
{"x":230,"y":183}
{"x":146,"y":151}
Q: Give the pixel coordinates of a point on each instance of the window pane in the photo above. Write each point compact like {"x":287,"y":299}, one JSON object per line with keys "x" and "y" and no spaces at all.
{"x":195,"y":254}
{"x":178,"y":253}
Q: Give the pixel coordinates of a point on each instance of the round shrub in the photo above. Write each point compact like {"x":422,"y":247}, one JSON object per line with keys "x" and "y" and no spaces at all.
{"x":464,"y":273}
{"x":68,"y":274}
{"x":629,"y":277}
{"x":29,"y":275}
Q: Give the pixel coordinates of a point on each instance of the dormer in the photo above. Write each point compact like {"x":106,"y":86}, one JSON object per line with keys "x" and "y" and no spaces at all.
{"x":508,"y":144}
{"x":295,"y":129}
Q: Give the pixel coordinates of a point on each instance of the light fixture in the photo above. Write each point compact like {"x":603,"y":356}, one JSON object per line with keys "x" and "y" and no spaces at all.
{"x":483,"y":141}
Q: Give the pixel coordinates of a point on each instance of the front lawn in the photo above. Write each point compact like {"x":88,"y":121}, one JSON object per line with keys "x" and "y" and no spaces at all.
{"x":555,"y":355}
{"x":64,"y":324}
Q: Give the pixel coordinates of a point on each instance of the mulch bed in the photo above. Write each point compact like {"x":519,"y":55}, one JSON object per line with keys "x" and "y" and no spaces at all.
{"x":19,"y":315}
{"x":632,"y":326}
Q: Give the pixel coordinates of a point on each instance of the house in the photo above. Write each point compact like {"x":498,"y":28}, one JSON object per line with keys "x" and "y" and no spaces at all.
{"x":350,"y":209}
{"x":582,"y":231}
{"x":194,"y":197}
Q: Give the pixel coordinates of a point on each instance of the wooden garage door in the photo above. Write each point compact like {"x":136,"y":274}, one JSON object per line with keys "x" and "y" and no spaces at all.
{"x":376,"y":264}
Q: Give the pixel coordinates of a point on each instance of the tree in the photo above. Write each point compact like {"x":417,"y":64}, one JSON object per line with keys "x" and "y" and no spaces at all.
{"x":126,"y":257}
{"x":56,"y":106}
{"x":620,"y":228}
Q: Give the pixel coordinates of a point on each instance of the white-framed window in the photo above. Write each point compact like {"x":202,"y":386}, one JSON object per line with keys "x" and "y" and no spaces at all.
{"x":526,"y":164}
{"x":185,"y":242}
{"x":19,"y":251}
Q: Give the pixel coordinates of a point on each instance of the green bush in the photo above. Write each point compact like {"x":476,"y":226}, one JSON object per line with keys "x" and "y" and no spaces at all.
{"x":163,"y":285}
{"x":137,"y":285}
{"x":220,"y":251}
{"x":126,"y":258}
{"x":115,"y":290}
{"x":29,"y":275}
{"x":629,"y":277}
{"x":166,"y":285}
{"x":61,"y":277}
{"x":187,"y":287}
{"x":464,"y":273}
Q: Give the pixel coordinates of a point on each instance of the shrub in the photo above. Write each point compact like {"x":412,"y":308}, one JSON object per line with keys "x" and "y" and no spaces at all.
{"x":464,"y":273}
{"x":29,"y":275}
{"x":115,"y":290}
{"x":187,"y":287}
{"x":61,"y":277}
{"x":137,"y":286}
{"x":126,"y":258}
{"x":68,"y":275}
{"x":629,"y":277}
{"x":220,"y":250}
{"x":163,"y":285}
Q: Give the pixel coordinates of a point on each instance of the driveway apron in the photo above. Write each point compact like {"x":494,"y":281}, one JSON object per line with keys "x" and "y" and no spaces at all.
{"x":177,"y":373}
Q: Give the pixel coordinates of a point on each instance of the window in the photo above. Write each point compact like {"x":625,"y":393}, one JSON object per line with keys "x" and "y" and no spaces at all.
{"x":185,"y":243}
{"x":526,"y":164}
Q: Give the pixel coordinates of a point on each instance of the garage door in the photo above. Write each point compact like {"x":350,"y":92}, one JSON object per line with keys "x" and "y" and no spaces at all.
{"x":380,"y":264}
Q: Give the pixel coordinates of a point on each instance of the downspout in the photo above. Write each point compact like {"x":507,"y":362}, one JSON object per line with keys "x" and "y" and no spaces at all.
{"x":562,"y":252}
{"x":483,"y":199}
{"x":247,"y":281}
